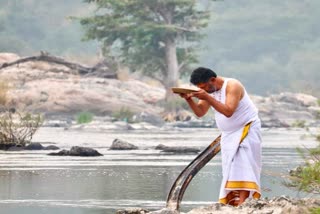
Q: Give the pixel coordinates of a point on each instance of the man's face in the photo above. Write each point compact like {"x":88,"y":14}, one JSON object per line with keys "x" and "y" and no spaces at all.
{"x":209,"y":87}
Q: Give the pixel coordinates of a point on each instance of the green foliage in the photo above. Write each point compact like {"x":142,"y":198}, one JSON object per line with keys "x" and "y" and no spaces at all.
{"x":292,"y":45}
{"x":299,"y":124}
{"x":318,"y":115}
{"x":315,"y":151}
{"x":18,"y":128}
{"x":315,"y":211}
{"x":84,"y":117}
{"x":124,"y":114}
{"x":141,"y":33}
{"x":307,"y":177}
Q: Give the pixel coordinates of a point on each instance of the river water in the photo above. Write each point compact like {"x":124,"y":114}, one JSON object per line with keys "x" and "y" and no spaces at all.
{"x":33,"y":182}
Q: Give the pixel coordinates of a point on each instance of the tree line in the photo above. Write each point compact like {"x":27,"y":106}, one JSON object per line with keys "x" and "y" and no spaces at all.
{"x":269,"y":52}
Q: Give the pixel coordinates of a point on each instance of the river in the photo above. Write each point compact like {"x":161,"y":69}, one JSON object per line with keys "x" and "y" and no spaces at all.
{"x":33,"y":182}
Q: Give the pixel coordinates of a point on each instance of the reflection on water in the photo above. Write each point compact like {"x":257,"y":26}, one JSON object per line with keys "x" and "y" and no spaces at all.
{"x":32,"y":182}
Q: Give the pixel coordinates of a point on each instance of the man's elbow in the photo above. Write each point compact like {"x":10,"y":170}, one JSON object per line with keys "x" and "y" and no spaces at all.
{"x":199,"y":114}
{"x":228,"y":114}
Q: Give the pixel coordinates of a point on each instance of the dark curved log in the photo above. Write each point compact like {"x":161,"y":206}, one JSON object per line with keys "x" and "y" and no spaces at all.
{"x":180,"y":185}
{"x":51,"y":59}
{"x":81,"y":69}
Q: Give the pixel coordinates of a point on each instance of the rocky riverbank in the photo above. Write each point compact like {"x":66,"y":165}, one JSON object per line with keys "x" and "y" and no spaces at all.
{"x":60,"y":93}
{"x":276,"y":205}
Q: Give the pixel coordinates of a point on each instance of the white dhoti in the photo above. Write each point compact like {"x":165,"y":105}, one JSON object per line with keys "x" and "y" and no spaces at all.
{"x":241,"y":162}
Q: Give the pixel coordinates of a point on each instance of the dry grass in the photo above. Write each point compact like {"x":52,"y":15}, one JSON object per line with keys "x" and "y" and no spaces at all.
{"x":123,"y":74}
{"x":82,"y":59}
{"x":4,"y":88}
{"x":43,"y":66}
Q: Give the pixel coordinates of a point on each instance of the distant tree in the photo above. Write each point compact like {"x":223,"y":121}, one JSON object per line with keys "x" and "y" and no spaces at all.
{"x":157,"y":37}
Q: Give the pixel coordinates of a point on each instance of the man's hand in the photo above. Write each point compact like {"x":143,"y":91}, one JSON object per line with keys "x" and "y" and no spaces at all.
{"x":201,"y":94}
{"x":186,"y":96}
{"x":200,"y":107}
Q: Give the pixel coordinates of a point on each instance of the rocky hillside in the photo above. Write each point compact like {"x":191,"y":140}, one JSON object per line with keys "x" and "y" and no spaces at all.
{"x":288,"y":109}
{"x":55,"y":89}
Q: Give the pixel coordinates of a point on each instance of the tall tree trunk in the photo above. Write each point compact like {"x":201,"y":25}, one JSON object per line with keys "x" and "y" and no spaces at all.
{"x":172,"y":67}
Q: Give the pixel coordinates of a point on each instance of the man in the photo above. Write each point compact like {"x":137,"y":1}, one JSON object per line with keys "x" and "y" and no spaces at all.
{"x":237,"y":119}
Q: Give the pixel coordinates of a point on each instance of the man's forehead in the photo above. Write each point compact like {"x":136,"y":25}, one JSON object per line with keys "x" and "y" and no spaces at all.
{"x":201,"y":85}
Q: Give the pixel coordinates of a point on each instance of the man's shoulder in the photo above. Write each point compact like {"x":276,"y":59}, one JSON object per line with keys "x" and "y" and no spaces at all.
{"x":234,"y":82}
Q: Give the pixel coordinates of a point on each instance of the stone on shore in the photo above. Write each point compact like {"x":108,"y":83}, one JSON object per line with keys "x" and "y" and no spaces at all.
{"x":59,"y":91}
{"x":122,"y":145}
{"x":133,"y":210}
{"x":277,"y":205}
{"x":77,"y":151}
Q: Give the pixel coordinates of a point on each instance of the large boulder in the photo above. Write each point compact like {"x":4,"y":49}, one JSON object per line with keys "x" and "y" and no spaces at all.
{"x":122,"y":145}
{"x":56,"y":90}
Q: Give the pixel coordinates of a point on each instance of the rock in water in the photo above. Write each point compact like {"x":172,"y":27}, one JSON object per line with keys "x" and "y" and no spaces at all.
{"x":51,"y":147}
{"x":177,"y":149}
{"x":34,"y":146}
{"x":83,"y":151}
{"x":122,"y":145}
{"x":60,"y":153}
{"x":77,"y":151}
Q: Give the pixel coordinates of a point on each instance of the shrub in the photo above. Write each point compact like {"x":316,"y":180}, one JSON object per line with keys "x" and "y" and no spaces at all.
{"x":124,"y":114}
{"x":315,"y":151}
{"x":299,"y":124}
{"x":307,"y":177}
{"x":84,"y":117}
{"x":315,"y":211}
{"x":18,"y":128}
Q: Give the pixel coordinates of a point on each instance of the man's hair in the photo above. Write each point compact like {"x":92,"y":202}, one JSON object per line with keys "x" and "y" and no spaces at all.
{"x":202,"y":75}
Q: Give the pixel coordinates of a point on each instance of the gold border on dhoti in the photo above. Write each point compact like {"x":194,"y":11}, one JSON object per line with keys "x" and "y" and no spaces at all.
{"x":241,"y":185}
